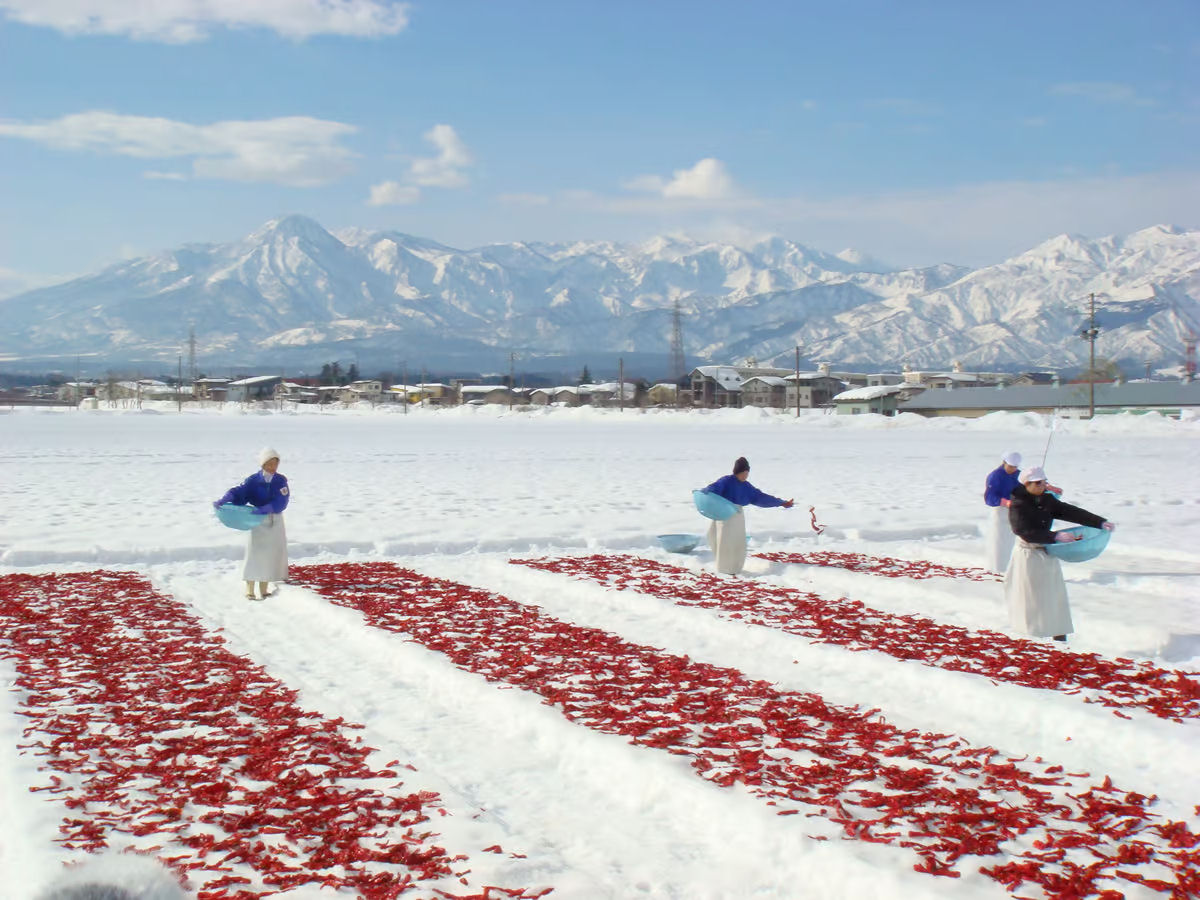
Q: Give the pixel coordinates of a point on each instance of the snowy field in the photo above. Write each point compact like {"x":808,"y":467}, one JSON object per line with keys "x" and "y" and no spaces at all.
{"x":525,"y":797}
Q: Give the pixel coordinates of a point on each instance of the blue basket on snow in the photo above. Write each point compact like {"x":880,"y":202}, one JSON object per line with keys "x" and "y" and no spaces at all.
{"x":679,"y":543}
{"x":1092,"y":545}
{"x":713,"y":506}
{"x":243,"y":518}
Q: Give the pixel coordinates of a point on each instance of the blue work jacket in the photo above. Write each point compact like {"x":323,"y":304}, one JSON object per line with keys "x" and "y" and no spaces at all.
{"x":1000,"y":485}
{"x":743,"y":493}
{"x":265,"y":496}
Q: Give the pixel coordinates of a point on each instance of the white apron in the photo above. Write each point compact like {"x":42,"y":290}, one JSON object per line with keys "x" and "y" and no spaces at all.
{"x":727,"y":540}
{"x":998,"y":540}
{"x":266,"y":551}
{"x":1036,"y":592}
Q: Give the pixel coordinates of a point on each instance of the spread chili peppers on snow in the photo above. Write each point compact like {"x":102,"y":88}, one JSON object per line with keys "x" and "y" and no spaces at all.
{"x":849,"y":769}
{"x":1118,"y":683}
{"x":887,"y":566}
{"x":153,"y":730}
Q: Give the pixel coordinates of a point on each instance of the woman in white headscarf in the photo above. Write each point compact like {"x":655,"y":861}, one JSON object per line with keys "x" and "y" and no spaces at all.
{"x":997,"y":535}
{"x":1033,"y":583}
{"x":266,"y":551}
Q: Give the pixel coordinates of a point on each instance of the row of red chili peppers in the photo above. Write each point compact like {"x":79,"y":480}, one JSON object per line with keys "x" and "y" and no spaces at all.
{"x":148,"y":726}
{"x":931,"y":793}
{"x":887,"y":566}
{"x":1118,"y":683}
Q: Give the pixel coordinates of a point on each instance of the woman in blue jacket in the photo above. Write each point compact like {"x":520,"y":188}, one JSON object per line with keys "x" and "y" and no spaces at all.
{"x":997,"y":535}
{"x":727,"y":538}
{"x":266,"y":551}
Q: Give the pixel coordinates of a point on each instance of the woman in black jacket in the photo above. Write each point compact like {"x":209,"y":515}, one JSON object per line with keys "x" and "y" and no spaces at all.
{"x":1033,"y":584}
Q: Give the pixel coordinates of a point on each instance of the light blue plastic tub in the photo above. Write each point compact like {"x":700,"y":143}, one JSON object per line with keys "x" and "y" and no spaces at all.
{"x":713,"y":506}
{"x":679,"y":543}
{"x":243,"y":518}
{"x":1093,"y":544}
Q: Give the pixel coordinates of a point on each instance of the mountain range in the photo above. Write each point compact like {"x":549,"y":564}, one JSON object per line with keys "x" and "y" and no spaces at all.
{"x":294,"y":295}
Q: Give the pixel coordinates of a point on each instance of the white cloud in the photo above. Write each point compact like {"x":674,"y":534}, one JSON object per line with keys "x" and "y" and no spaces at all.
{"x":393,"y":193}
{"x":298,"y":150}
{"x":706,"y":180}
{"x":445,"y":169}
{"x":182,"y":21}
{"x":1102,"y":92}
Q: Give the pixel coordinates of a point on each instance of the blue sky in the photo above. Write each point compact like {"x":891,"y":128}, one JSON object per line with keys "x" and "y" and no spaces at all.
{"x":917,"y":132}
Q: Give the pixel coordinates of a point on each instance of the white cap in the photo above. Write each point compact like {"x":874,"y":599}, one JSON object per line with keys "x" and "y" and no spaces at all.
{"x":1033,"y":474}
{"x":1012,"y":458}
{"x":267,"y":453}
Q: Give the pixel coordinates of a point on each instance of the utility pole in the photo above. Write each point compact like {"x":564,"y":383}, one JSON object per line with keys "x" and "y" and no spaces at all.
{"x":621,"y":384}
{"x":512,"y":382}
{"x":797,"y":381}
{"x":1089,"y":335}
{"x":404,"y":375}
{"x":179,"y":387}
{"x":192,"y":352}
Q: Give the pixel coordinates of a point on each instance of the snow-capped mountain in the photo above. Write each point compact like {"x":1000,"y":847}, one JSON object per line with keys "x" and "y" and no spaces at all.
{"x":293,"y":294}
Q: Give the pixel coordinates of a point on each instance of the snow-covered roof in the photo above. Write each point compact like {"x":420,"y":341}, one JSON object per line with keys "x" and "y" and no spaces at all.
{"x":809,"y":376}
{"x":726,"y":376}
{"x":481,"y":388}
{"x":256,"y":379}
{"x":875,"y":391}
{"x":772,"y":380}
{"x":610,"y":387}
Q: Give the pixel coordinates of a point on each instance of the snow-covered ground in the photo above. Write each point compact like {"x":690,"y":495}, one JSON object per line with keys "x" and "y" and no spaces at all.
{"x":455,"y":494}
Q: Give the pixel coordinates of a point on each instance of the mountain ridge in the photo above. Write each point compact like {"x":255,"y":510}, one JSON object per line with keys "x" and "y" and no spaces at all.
{"x":294,"y":292}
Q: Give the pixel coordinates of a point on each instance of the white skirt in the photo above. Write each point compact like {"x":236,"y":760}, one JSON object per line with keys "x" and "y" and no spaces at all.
{"x":266,"y":551}
{"x":727,"y":540}
{"x":1036,"y":592}
{"x":998,"y":540}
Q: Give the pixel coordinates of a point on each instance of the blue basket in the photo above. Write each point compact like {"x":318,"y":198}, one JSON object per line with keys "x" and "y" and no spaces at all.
{"x":243,"y":518}
{"x":1093,"y":544}
{"x":679,"y":543}
{"x":714,"y":506}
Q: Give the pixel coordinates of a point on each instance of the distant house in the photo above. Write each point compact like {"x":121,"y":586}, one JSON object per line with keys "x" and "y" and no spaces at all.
{"x":662,"y":394}
{"x":478,"y":394}
{"x":296,"y":392}
{"x":1027,"y":379}
{"x":258,"y":387}
{"x":142,"y":389}
{"x":434,"y":393}
{"x":613,"y":394}
{"x":76,"y":390}
{"x":566,"y":395}
{"x":815,"y":390}
{"x":715,"y":386}
{"x":764,"y":390}
{"x":881,"y":399}
{"x":369,"y":390}
{"x":1167,"y":397}
{"x":328,"y":393}
{"x":215,"y":389}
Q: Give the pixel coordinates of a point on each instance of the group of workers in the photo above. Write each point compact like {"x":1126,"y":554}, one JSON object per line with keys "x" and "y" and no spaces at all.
{"x":1023,"y":508}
